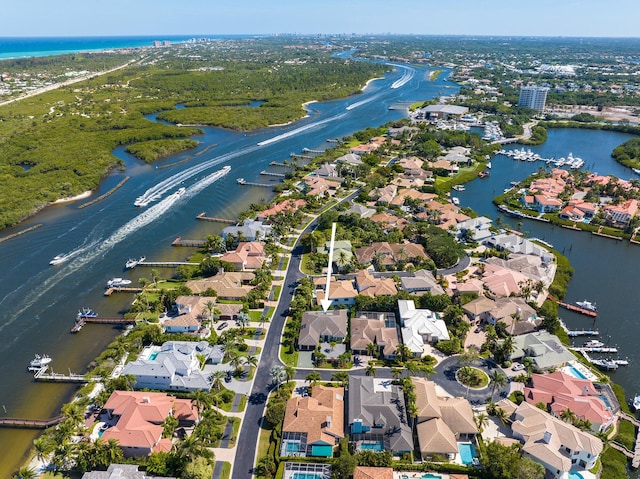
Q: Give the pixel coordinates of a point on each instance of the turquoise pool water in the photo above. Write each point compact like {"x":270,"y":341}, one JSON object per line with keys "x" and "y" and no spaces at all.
{"x":467,"y":452}
{"x":306,"y":475}
{"x":292,"y":447}
{"x":152,"y":356}
{"x":428,"y":475}
{"x":372,"y":446}
{"x":575,"y":475}
{"x":100,"y":432}
{"x":573,"y":371}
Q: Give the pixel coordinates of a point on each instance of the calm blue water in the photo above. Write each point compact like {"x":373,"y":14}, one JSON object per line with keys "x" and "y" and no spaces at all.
{"x":20,"y":47}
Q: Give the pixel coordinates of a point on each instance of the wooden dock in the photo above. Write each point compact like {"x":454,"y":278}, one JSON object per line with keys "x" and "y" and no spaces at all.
{"x":283,"y":165}
{"x":269,"y":173}
{"x":577,"y":309}
{"x":203,"y":216}
{"x":595,"y":350}
{"x":30,"y":423}
{"x":42,"y":375}
{"x":164,"y":264}
{"x":80,"y":322}
{"x":110,"y":291}
{"x":251,"y":183}
{"x":582,"y":332}
{"x":188,"y":243}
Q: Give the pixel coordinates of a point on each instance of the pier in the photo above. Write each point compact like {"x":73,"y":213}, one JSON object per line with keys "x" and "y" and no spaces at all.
{"x":282,"y":165}
{"x":595,"y":350}
{"x":269,"y":173}
{"x":309,"y":150}
{"x":582,"y":332}
{"x":110,"y":291}
{"x":80,"y":322}
{"x":188,"y":243}
{"x":304,"y":157}
{"x":108,"y":193}
{"x":203,"y":216}
{"x":30,"y":423}
{"x":242,"y":181}
{"x":42,"y":375}
{"x":163,"y":264}
{"x":577,"y":309}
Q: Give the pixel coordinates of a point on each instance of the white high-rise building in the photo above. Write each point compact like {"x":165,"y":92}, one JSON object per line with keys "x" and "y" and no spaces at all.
{"x":533,"y":97}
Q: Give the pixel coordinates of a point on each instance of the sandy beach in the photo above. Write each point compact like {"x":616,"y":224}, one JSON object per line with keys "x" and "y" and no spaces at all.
{"x":81,"y":196}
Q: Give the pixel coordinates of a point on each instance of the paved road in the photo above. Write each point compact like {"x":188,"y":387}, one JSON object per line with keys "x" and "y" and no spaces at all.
{"x":246,"y":448}
{"x":445,"y":378}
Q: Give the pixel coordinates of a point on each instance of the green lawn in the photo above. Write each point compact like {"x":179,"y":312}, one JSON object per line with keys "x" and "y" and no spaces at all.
{"x":226,"y":470}
{"x":614,"y":464}
{"x":626,"y":434}
{"x":234,"y":434}
{"x":276,"y":292}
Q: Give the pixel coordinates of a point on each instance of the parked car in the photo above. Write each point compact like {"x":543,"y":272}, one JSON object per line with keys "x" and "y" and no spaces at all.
{"x":222,"y":326}
{"x":517,"y":367}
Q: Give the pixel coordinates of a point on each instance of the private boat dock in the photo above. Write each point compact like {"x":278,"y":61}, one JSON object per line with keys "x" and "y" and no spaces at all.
{"x":283,"y":165}
{"x":110,"y":291}
{"x":242,"y":181}
{"x":188,"y":243}
{"x":269,"y":173}
{"x":595,"y":349}
{"x":80,"y":322}
{"x":42,"y":375}
{"x":30,"y":423}
{"x":582,"y":332}
{"x":203,"y":216}
{"x":577,"y":309}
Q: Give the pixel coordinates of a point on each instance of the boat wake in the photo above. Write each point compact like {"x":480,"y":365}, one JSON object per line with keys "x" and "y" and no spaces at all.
{"x":311,"y":126}
{"x":362,"y":102}
{"x":406,"y":77}
{"x":96,"y":247}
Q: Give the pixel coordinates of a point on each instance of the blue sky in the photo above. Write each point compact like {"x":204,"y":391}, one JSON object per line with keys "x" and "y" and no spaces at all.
{"x":180,"y":17}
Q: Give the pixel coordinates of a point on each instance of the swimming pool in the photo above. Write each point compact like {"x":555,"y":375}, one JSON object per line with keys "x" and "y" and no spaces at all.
{"x":575,"y":475}
{"x":372,"y":446}
{"x":428,"y":475}
{"x":573,"y":371}
{"x":292,"y":446}
{"x":467,"y":453}
{"x":152,"y":356}
{"x":306,"y":475}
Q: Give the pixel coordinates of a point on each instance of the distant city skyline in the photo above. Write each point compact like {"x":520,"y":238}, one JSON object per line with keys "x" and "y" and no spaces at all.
{"x":569,"y":18}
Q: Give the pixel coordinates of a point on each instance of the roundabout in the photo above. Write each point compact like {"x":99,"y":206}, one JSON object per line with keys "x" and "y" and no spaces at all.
{"x":447,"y":378}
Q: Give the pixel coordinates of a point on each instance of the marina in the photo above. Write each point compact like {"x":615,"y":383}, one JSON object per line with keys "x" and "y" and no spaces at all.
{"x":521,"y":155}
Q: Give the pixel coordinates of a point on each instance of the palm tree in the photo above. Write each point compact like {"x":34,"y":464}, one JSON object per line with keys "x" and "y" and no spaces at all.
{"x":25,"y":473}
{"x":243,"y":321}
{"x":289,"y":372}
{"x":278,"y":374}
{"x":313,"y":378}
{"x":482,"y":420}
{"x":372,"y":349}
{"x":342,"y":377}
{"x":236,"y":363}
{"x":501,"y":415}
{"x":568,"y":416}
{"x":209,"y":306}
{"x":216,"y":379}
{"x":155,"y":276}
{"x":396,"y":373}
{"x":191,"y":447}
{"x":251,"y":361}
{"x":370,"y":370}
{"x":403,"y":351}
{"x":497,"y":380}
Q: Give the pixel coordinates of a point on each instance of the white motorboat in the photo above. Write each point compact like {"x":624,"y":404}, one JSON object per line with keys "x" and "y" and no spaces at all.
{"x":57,"y":259}
{"x":588,"y":305}
{"x":39,"y":362}
{"x":458,"y":187}
{"x":118,"y":282}
{"x":636,"y":402}
{"x":489,"y":164}
{"x":455,"y":201}
{"x":593,"y":343}
{"x":132,"y":262}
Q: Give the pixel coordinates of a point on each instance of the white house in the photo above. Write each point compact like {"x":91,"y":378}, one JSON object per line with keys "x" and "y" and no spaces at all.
{"x":420,"y":326}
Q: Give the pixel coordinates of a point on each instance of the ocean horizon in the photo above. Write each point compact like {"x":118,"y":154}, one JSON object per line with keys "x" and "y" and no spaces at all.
{"x":27,"y":47}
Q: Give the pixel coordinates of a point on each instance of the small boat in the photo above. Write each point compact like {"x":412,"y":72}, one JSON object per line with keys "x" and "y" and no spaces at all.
{"x":593,"y":343}
{"x":636,"y":171}
{"x":588,"y":305}
{"x":621,"y":362}
{"x":57,"y":259}
{"x":605,"y":364}
{"x":132,"y":262}
{"x":458,"y":187}
{"x":636,"y":403}
{"x":39,"y":362}
{"x":489,"y":164}
{"x":483,"y":174}
{"x":455,"y":201}
{"x":118,"y":282}
{"x":241,"y":181}
{"x":87,"y":313}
